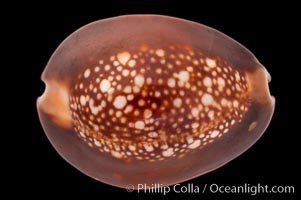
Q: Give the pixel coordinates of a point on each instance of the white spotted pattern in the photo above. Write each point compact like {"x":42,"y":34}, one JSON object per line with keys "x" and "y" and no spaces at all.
{"x":157,"y":103}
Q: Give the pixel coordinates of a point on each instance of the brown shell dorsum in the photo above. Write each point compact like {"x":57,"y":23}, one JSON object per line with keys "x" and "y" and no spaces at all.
{"x":152,"y":99}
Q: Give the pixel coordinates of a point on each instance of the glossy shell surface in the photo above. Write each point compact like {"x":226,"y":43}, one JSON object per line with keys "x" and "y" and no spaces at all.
{"x":152,"y":99}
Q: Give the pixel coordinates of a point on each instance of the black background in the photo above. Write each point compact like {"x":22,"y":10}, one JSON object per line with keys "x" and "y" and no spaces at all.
{"x":268,"y":31}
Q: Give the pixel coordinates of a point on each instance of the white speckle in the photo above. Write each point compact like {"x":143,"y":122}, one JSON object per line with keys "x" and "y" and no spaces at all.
{"x":195,"y":62}
{"x":211,"y":114}
{"x":164,"y":146}
{"x":207,"y":99}
{"x":96,"y":69}
{"x":111,"y":112}
{"x":207,"y":82}
{"x":103,"y":103}
{"x":139,"y":80}
{"x":237,"y":87}
{"x":93,"y":109}
{"x":177,"y":102}
{"x":189,"y":68}
{"x":82,"y":100}
{"x":87,"y":73}
{"x":159,"y":71}
{"x":119,"y":68}
{"x":220,"y":82}
{"x":127,"y":89}
{"x":153,"y":134}
{"x":97,"y":143}
{"x":182,"y":92}
{"x":147,"y":113}
{"x":237,"y":76}
{"x":116,"y":154}
{"x":168,"y":152}
{"x":132,"y":147}
{"x":128,"y":109}
{"x":157,"y":94}
{"x":171,"y":82}
{"x":183,"y":76}
{"x":105,"y":85}
{"x":148,"y":148}
{"x":107,"y":67}
{"x":125,"y":72}
{"x":224,"y":102}
{"x":154,"y":105}
{"x":189,"y":139}
{"x":130,"y":97}
{"x":115,"y":63}
{"x":194,"y":125}
{"x":149,"y":80}
{"x":141,"y":102}
{"x":119,"y":102}
{"x":170,"y":66}
{"x":118,"y":113}
{"x":195,"y":144}
{"x":118,"y":77}
{"x":210,"y":62}
{"x":195,"y":112}
{"x":139,"y":125}
{"x":160,"y":52}
{"x":214,"y":133}
{"x":181,"y":83}
{"x":96,"y":128}
{"x":235,"y":103}
{"x":123,"y":57}
{"x":136,"y":89}
{"x":153,"y":60}
{"x":82,"y":134}
{"x":133,"y":73}
{"x":132,"y":63}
